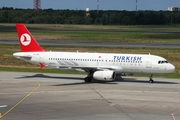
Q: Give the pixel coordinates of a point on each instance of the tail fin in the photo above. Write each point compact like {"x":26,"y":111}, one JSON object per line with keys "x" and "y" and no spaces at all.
{"x":26,"y":40}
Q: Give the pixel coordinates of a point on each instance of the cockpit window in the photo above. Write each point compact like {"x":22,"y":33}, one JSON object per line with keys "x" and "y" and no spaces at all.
{"x":162,"y":61}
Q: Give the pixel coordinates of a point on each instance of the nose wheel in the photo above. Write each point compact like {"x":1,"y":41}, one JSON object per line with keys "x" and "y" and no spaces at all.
{"x":150,"y":79}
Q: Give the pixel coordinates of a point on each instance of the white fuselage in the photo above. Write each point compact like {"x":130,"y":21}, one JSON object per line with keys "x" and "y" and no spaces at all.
{"x":119,"y":63}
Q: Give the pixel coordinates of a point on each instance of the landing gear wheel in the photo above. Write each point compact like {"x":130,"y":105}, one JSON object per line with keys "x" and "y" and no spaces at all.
{"x":150,"y":78}
{"x":87,"y":79}
{"x":151,"y":81}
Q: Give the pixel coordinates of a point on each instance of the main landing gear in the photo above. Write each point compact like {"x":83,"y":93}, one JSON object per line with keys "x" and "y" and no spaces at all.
{"x":89,"y":77}
{"x":150,"y":79}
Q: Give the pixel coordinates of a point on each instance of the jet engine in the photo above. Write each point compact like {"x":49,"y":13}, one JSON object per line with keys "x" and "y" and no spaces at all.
{"x":104,"y":75}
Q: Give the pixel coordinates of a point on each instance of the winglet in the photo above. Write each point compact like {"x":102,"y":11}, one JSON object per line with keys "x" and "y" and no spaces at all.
{"x":26,"y":40}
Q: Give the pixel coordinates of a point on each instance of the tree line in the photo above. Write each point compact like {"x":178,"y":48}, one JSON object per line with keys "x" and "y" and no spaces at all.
{"x":103,"y":17}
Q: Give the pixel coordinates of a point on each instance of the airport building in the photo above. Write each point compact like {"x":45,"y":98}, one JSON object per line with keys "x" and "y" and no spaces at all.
{"x":173,"y":8}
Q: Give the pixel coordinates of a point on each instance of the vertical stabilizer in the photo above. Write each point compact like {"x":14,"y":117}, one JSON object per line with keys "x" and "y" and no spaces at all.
{"x":26,"y":40}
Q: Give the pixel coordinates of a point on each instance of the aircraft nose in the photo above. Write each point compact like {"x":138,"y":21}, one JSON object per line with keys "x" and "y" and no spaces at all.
{"x":171,"y":68}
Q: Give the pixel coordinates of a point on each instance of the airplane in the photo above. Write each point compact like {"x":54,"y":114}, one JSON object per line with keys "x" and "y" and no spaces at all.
{"x":98,"y":66}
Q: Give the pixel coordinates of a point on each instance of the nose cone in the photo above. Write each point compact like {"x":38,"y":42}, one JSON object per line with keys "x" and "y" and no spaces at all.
{"x":171,"y":68}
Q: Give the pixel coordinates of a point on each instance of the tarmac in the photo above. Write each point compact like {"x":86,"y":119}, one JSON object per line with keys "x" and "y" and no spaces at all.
{"x":32,"y":96}
{"x":98,"y":44}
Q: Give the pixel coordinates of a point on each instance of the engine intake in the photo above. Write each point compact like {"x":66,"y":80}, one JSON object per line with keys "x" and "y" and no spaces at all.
{"x":104,"y":75}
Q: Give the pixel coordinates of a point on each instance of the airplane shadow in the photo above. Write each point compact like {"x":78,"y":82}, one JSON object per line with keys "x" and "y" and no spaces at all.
{"x":118,"y":79}
{"x":51,"y":77}
{"x":147,"y":81}
{"x":68,"y":78}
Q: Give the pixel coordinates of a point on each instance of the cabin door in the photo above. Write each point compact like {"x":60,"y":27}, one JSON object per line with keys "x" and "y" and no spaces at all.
{"x":148,"y":64}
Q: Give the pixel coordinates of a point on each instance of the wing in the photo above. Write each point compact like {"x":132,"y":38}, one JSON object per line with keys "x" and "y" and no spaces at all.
{"x":99,"y":68}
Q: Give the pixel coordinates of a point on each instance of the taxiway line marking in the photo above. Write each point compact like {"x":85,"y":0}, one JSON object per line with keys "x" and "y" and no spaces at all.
{"x":29,"y":94}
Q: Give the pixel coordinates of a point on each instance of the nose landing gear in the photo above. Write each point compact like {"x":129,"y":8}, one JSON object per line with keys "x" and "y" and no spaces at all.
{"x":150,"y":78}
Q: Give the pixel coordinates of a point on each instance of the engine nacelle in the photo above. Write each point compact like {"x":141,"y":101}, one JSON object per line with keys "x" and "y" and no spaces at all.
{"x":104,"y":75}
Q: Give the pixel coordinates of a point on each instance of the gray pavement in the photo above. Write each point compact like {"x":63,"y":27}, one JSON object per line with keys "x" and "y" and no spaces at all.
{"x":31,"y":96}
{"x":96,"y":43}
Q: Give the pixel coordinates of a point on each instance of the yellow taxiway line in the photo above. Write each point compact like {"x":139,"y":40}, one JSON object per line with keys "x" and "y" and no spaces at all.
{"x":29,"y":94}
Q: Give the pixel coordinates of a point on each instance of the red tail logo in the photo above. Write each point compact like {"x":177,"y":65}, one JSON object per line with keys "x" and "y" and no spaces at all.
{"x":26,"y":40}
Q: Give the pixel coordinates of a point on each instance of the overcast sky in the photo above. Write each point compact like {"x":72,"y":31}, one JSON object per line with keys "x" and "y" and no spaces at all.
{"x":92,"y":4}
